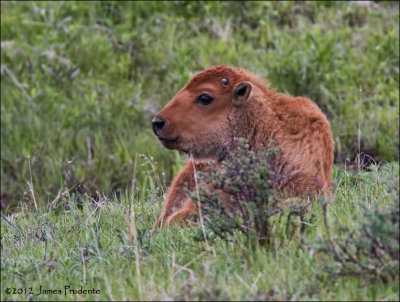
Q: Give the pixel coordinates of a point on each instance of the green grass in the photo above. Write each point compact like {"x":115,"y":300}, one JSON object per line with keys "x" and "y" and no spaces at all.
{"x":124,"y":260}
{"x":81,"y":81}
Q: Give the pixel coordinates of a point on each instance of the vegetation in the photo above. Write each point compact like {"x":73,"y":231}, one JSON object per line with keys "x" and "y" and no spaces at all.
{"x":83,"y":176}
{"x":82,"y":80}
{"x":107,"y":244}
{"x":373,"y":249}
{"x":240,"y":196}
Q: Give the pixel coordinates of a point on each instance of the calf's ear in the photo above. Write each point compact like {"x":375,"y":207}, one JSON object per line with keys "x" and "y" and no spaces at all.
{"x":241,"y":93}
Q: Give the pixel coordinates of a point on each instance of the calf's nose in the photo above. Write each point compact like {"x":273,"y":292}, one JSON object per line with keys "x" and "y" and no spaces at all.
{"x":158,"y":124}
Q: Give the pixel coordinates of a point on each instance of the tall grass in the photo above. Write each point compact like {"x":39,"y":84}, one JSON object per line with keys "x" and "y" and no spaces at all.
{"x":107,"y":244}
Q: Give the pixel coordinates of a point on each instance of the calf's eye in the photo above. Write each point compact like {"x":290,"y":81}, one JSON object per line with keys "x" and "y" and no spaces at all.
{"x":205,"y":99}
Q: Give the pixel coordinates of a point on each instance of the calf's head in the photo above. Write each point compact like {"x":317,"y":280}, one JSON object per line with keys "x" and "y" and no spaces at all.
{"x":198,"y":119}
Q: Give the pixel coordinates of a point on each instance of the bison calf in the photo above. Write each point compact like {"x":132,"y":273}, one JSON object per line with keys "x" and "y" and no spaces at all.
{"x":221,"y":104}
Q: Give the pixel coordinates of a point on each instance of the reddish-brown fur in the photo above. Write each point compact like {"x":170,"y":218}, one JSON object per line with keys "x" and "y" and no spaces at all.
{"x":294,"y":123}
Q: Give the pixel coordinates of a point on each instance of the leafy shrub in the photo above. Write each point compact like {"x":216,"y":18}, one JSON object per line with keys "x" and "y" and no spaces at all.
{"x":371,"y":250}
{"x":241,"y":195}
